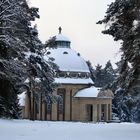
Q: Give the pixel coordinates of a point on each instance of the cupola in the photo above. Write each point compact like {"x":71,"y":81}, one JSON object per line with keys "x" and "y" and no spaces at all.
{"x":62,"y":41}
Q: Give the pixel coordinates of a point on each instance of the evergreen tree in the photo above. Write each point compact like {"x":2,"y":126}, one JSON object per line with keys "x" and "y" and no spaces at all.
{"x":51,"y":43}
{"x":21,"y":58}
{"x":92,"y":71}
{"x":123,"y":23}
{"x":99,"y":76}
{"x":11,"y":69}
{"x":104,"y":76}
{"x":109,"y":73}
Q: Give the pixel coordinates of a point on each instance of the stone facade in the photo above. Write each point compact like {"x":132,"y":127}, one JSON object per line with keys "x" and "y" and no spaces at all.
{"x":73,"y":108}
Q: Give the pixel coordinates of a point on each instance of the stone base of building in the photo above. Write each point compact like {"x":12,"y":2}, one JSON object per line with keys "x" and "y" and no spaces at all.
{"x":70,"y":108}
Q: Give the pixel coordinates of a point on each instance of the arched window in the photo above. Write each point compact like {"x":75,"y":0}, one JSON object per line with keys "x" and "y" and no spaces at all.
{"x":83,"y":75}
{"x":62,"y":74}
{"x":61,"y":103}
{"x":74,"y":74}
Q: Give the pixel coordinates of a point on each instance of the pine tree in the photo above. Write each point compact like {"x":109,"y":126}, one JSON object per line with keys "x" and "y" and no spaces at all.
{"x":99,"y":82}
{"x":21,"y":57}
{"x":109,"y":73}
{"x":123,"y":23}
{"x":104,"y":76}
{"x":92,"y":71}
{"x":11,"y":69}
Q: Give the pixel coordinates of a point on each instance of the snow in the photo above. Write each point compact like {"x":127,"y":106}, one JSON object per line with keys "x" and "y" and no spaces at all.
{"x":21,"y":98}
{"x":60,"y":37}
{"x":38,"y":80}
{"x":67,"y":62}
{"x":135,"y":23}
{"x":42,"y":130}
{"x":130,"y":65}
{"x":112,"y":20}
{"x":88,"y":92}
{"x":28,"y":54}
{"x":27,"y":80}
{"x":73,"y":81}
{"x":39,"y":66}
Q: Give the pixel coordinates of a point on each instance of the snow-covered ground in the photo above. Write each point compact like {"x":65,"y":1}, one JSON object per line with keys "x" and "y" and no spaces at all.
{"x":37,"y":130}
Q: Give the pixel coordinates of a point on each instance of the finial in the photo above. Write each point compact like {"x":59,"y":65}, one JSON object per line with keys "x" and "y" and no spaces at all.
{"x":60,"y":30}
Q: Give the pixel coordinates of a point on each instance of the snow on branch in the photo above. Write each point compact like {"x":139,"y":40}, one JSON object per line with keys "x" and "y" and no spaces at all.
{"x":5,"y":10}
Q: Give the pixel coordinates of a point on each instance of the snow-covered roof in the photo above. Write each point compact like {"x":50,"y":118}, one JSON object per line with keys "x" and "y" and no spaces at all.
{"x":88,"y":92}
{"x":61,"y":37}
{"x":106,"y":94}
{"x":73,"y":81}
{"x":21,"y":98}
{"x":67,"y":60}
{"x":94,"y":92}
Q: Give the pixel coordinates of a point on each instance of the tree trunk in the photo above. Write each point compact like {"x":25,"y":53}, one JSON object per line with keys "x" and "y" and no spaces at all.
{"x":41,"y":106}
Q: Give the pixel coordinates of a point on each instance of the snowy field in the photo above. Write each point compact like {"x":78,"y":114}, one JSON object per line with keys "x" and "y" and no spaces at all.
{"x":37,"y":130}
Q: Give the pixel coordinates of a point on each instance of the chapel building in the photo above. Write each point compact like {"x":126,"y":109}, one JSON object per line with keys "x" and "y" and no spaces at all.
{"x":80,"y":99}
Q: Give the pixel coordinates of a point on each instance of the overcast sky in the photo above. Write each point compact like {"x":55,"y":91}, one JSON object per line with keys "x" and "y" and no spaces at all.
{"x":78,"y":21}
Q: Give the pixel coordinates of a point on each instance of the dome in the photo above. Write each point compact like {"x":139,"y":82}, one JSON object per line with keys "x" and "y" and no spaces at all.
{"x":61,"y":37}
{"x":94,"y":92}
{"x":106,"y":94}
{"x":91,"y":92}
{"x":67,"y":60}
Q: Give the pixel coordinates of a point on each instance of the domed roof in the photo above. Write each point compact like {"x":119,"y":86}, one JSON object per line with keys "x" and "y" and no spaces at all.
{"x":67,"y":60}
{"x":88,"y":92}
{"x":94,"y":92}
{"x":61,"y":37}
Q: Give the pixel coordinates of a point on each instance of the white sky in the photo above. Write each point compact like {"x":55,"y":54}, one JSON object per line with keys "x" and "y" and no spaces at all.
{"x":78,"y":20}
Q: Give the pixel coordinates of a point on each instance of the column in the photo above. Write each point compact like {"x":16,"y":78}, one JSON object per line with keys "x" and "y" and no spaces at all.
{"x":43,"y":111}
{"x":110,"y":111}
{"x":26,"y":114}
{"x":99,"y":112}
{"x":67,"y":105}
{"x":94,"y":112}
{"x":82,"y":116}
{"x":106,"y":112}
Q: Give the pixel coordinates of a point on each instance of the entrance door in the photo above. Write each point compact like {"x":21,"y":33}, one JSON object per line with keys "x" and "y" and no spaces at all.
{"x":103,"y":112}
{"x":89,"y":112}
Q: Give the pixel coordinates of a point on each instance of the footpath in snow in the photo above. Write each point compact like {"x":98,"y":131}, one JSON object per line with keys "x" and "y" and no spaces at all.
{"x":42,"y":130}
